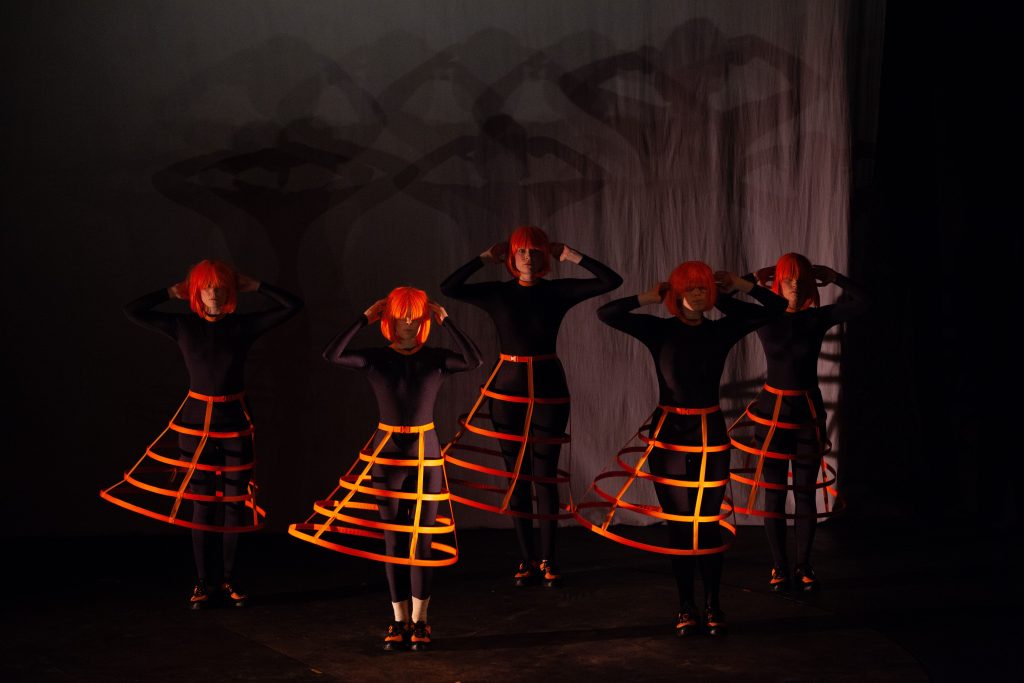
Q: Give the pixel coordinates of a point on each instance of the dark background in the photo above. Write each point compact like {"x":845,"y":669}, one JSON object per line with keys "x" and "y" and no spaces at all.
{"x":928,"y":378}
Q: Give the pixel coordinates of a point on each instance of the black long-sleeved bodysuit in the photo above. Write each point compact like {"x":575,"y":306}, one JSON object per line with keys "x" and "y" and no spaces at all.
{"x":527,"y":319}
{"x":791,"y":346}
{"x":689,"y":361}
{"x":215,"y":353}
{"x":406,"y":387}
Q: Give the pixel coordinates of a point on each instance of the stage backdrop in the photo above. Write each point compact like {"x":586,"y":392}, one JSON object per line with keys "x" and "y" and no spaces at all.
{"x":339,"y":149}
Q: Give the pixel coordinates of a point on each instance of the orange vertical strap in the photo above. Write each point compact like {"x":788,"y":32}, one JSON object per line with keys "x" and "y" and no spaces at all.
{"x":821,"y":446}
{"x":700,"y":481}
{"x":207,"y":419}
{"x":472,"y":411}
{"x":568,"y":468}
{"x":250,"y":487}
{"x":639,"y":463}
{"x":764,"y":449}
{"x":451,"y":508}
{"x":359,"y":479}
{"x":365,"y":447}
{"x":146,"y":453}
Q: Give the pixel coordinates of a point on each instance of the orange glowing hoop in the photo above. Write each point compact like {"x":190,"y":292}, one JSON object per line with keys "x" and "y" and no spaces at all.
{"x":632,"y":472}
{"x":742,"y":436}
{"x":350,"y":516}
{"x":474,"y":492}
{"x":155,"y":470}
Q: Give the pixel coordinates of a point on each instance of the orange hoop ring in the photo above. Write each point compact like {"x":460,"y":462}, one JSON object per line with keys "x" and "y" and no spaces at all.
{"x":454,"y":452}
{"x":631,"y":472}
{"x":338,"y":515}
{"x":750,"y":475}
{"x":154,"y":462}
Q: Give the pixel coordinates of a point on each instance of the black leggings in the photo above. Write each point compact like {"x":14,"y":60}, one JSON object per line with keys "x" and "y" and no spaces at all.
{"x":539,"y":460}
{"x":229,"y":452}
{"x":678,"y":500}
{"x":806,"y":466}
{"x":403,"y":580}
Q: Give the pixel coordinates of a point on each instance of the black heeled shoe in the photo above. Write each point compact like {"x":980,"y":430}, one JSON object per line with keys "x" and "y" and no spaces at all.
{"x":233,"y":594}
{"x":550,"y":576}
{"x":688,"y":621}
{"x":420,"y":639}
{"x":714,"y":621}
{"x":779,"y":583}
{"x":528,"y":574}
{"x":805,"y":579}
{"x":396,"y":637}
{"x":200,"y":597}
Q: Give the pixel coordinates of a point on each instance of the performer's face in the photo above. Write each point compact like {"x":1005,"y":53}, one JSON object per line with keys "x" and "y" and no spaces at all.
{"x":529,"y":261}
{"x":407,"y":329}
{"x":696,"y":299}
{"x":214,"y":298}
{"x":790,"y":291}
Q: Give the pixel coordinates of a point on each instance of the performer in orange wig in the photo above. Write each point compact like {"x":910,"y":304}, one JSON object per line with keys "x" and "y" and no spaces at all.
{"x":787,"y":419}
{"x":400,"y":472}
{"x":527,"y":391}
{"x":687,"y":448}
{"x":211,"y":460}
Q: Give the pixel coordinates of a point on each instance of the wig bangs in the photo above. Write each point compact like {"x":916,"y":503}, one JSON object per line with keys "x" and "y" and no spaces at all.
{"x":406,"y":303}
{"x":689,"y":275}
{"x":528,"y":237}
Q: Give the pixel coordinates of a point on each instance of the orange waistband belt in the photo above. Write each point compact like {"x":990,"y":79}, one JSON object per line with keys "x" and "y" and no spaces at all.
{"x":527,"y":359}
{"x":405,"y":429}
{"x":689,"y":411}
{"x":216,"y":399}
{"x":786,"y":392}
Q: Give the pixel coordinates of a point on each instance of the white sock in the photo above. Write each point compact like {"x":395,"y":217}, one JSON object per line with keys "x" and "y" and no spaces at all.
{"x":401,"y":611}
{"x":419,"y":609}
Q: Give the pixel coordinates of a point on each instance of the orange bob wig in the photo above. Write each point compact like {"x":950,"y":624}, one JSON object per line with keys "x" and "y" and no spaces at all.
{"x":798,"y":267}
{"x":207,"y":274}
{"x":528,"y":237}
{"x":689,"y":275}
{"x":406,"y":303}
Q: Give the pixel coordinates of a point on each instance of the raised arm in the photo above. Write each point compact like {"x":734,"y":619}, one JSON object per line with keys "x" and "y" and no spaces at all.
{"x":140,"y":311}
{"x":743,"y":316}
{"x":617,"y":314}
{"x":605,"y":279}
{"x":466,"y":355}
{"x":455,"y":284}
{"x":287,"y":305}
{"x":336,"y":353}
{"x":855,"y":301}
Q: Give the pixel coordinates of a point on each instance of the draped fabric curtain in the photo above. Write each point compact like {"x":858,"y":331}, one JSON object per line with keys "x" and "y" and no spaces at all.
{"x":341,"y":149}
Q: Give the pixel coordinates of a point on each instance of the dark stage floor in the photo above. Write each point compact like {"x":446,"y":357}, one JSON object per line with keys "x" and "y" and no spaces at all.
{"x":897,"y":604}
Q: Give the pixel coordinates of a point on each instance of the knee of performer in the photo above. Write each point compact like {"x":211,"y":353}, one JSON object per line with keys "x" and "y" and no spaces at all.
{"x":805,"y":502}
{"x":681,"y":534}
{"x":775,"y":501}
{"x":709,"y":535}
{"x":233,"y":513}
{"x":202,"y":513}
{"x":395,"y":543}
{"x":235,"y":486}
{"x":521,"y":498}
{"x":388,"y":511}
{"x":547,"y":495}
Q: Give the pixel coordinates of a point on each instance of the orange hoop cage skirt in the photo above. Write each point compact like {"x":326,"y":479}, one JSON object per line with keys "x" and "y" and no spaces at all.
{"x":475,"y":490}
{"x":631,"y":473}
{"x":355,"y":514}
{"x":742,"y":434}
{"x":155,"y":470}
